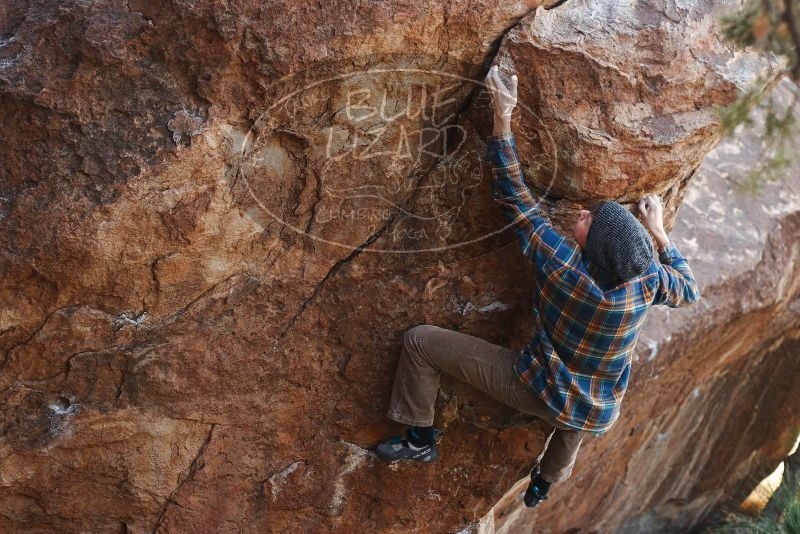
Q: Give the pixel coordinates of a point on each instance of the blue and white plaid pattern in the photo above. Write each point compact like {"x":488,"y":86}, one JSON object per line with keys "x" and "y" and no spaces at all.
{"x":579,"y":358}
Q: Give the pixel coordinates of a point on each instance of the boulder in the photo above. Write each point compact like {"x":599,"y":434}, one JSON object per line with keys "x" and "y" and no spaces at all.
{"x":218,"y":218}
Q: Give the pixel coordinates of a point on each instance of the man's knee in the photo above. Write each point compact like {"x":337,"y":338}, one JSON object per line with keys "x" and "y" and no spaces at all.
{"x":416,"y":337}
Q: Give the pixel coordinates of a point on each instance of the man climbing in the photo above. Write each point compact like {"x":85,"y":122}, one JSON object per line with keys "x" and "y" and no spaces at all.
{"x":589,"y":306}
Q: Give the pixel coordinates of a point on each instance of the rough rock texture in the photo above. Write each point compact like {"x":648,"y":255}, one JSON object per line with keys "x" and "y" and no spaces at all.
{"x":218,"y":218}
{"x":624,"y":91}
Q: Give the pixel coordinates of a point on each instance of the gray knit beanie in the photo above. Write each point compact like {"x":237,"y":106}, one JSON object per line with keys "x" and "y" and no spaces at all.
{"x":617,"y":242}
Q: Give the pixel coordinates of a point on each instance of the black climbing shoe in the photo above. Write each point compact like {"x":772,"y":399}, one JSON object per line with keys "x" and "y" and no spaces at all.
{"x":534,"y":495}
{"x":398,"y":448}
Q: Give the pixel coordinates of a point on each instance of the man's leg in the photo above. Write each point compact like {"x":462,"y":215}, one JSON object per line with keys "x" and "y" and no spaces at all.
{"x":559,"y":455}
{"x":554,"y":464}
{"x":430,"y":350}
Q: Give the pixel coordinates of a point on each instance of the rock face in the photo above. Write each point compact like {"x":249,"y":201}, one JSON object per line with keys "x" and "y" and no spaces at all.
{"x":218,"y":219}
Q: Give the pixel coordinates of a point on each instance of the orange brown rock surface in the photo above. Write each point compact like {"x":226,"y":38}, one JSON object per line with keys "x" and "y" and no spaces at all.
{"x":218,"y":218}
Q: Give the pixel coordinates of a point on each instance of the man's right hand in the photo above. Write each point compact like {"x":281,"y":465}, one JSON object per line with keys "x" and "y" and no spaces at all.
{"x":653,"y":215}
{"x":504,"y":99}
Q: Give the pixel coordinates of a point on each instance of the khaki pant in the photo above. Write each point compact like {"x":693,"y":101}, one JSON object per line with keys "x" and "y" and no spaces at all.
{"x":430,"y":350}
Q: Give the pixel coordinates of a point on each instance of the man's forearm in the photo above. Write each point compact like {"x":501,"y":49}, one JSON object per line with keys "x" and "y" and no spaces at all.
{"x":539,"y":240}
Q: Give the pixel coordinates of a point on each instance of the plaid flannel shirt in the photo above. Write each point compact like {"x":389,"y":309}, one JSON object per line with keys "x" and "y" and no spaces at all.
{"x":579,"y":358}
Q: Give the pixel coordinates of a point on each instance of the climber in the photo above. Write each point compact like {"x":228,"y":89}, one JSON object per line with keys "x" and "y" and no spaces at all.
{"x":589,"y":306}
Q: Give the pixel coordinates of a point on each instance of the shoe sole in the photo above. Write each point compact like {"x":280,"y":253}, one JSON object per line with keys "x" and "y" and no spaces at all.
{"x":394,"y":461}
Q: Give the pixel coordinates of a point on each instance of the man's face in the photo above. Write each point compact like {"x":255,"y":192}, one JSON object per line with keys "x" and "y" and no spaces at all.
{"x":581,"y":229}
